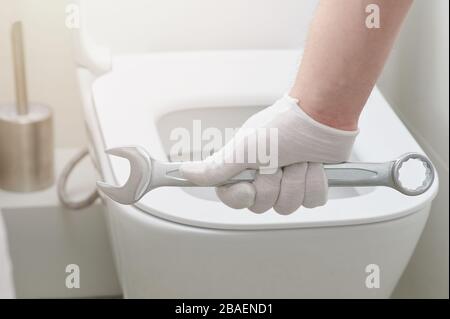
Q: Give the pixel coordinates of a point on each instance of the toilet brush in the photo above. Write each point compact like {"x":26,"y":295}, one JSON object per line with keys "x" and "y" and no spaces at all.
{"x":26,"y":133}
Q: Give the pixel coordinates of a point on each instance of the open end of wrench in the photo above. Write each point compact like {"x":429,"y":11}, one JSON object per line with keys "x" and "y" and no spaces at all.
{"x":140,"y":175}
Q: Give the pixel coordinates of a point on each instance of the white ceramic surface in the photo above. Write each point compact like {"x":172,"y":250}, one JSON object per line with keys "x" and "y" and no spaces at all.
{"x":134,"y":101}
{"x":184,"y":244}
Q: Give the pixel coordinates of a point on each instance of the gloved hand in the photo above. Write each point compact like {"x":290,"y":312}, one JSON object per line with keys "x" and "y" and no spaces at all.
{"x":296,"y":179}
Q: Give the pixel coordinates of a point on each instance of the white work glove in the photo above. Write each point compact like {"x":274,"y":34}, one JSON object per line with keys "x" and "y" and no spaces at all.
{"x":298,"y":177}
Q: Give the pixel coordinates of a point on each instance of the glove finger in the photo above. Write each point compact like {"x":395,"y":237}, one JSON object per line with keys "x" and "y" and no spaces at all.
{"x":237,"y":196}
{"x":267,"y":188}
{"x":220,"y":166}
{"x":316,"y":186}
{"x":292,"y":190}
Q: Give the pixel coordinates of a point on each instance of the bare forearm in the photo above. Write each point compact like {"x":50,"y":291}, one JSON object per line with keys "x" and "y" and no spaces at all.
{"x":343,"y":58}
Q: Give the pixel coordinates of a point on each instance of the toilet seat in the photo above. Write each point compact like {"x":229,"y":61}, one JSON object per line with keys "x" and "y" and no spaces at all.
{"x":142,"y":88}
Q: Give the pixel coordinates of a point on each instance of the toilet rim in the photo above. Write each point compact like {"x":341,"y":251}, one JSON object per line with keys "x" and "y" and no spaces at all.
{"x":346,"y":211}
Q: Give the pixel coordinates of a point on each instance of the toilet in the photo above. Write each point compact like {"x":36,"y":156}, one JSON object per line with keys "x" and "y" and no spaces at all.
{"x":183,"y":242}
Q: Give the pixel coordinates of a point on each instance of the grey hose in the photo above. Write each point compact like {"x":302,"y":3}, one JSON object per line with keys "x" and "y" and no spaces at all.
{"x":62,"y":182}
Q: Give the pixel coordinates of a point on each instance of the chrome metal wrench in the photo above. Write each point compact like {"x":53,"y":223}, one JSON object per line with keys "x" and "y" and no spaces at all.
{"x":147,"y":174}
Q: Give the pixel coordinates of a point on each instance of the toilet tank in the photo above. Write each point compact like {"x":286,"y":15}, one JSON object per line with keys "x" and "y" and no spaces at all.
{"x":140,"y":26}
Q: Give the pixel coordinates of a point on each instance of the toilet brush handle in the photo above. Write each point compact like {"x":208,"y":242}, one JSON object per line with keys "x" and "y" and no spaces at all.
{"x":19,"y":68}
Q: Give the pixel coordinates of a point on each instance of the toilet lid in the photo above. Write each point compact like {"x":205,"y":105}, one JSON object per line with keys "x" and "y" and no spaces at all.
{"x":130,"y":100}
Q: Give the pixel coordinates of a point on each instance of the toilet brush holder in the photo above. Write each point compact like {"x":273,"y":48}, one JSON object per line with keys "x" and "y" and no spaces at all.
{"x":26,"y":149}
{"x":26,"y":134}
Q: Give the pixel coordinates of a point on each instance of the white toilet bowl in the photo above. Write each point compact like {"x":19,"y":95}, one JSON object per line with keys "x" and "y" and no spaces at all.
{"x":180,"y":243}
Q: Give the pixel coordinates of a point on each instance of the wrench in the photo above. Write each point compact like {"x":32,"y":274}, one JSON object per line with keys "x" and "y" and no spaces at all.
{"x":147,"y":174}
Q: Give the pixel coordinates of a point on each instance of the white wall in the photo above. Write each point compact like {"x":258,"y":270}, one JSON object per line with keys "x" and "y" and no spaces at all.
{"x":51,"y":77}
{"x":159,"y":25}
{"x":50,"y":67}
{"x":7,"y":14}
{"x":415,"y":81}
